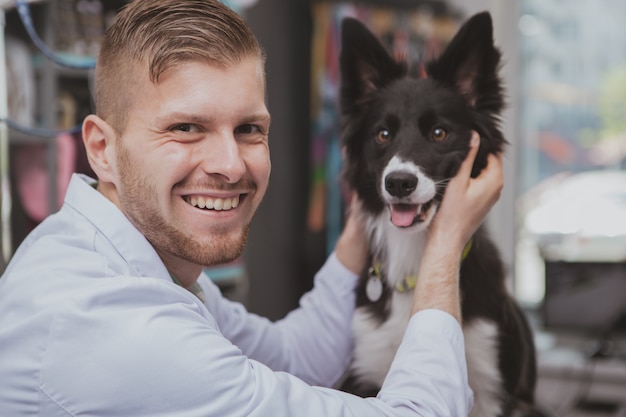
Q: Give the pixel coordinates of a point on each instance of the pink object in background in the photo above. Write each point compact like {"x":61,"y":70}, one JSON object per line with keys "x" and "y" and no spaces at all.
{"x":30,"y":167}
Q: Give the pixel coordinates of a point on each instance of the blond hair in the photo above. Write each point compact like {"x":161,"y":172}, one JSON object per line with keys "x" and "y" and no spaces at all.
{"x":159,"y":34}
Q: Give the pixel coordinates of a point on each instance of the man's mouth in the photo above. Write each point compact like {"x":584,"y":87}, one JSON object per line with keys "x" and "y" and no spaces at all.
{"x":406,"y":215}
{"x":208,"y":203}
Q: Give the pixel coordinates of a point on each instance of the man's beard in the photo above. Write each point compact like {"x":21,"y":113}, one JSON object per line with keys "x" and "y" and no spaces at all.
{"x":218,"y":248}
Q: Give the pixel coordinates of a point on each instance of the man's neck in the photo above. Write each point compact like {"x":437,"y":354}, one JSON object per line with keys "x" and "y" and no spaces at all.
{"x":184,"y":272}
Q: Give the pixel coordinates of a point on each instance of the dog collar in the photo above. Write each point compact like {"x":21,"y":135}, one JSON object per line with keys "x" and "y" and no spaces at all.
{"x":374,"y":286}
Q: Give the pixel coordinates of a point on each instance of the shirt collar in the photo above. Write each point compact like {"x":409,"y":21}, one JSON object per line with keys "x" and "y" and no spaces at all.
{"x":115,"y":227}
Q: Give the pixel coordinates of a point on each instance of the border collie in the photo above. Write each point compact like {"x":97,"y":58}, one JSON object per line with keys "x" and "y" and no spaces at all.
{"x":404,"y":137}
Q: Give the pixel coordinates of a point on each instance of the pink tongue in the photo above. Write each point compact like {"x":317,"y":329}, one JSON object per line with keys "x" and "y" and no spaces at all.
{"x":403,"y":215}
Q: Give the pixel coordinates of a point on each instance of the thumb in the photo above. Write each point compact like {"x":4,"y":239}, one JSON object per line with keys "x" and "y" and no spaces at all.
{"x":465,"y":170}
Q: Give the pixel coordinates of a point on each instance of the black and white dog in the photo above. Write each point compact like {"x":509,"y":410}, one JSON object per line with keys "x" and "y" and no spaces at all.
{"x":404,"y":138}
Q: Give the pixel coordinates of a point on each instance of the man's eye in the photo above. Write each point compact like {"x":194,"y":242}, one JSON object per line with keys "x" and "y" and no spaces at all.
{"x":183,"y":127}
{"x":248,"y":129}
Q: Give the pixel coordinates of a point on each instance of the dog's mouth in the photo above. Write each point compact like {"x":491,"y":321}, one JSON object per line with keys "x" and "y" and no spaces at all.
{"x":407,"y":215}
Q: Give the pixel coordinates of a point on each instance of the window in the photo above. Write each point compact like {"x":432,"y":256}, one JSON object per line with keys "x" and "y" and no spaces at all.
{"x":571,"y":203}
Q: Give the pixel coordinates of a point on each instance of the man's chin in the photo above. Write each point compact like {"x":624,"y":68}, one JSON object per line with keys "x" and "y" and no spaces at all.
{"x":209,"y":248}
{"x":218,"y":251}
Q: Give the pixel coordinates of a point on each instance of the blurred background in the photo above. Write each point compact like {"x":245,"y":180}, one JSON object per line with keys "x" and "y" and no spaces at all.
{"x":561,"y":221}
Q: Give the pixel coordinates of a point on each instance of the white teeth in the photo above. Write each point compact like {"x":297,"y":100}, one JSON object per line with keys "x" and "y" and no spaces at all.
{"x":215,"y":204}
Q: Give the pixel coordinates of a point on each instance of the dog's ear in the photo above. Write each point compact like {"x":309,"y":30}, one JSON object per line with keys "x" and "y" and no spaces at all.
{"x":365,"y":64}
{"x":470,"y":63}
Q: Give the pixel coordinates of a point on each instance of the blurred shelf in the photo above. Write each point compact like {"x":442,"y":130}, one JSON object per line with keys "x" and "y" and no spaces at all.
{"x":19,"y":138}
{"x":9,"y":4}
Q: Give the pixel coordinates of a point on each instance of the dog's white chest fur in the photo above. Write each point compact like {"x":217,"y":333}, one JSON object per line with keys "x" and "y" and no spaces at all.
{"x":376,"y":343}
{"x":481,"y":352}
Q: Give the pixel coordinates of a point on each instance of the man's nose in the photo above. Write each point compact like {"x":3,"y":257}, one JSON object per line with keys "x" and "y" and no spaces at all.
{"x":223,"y":156}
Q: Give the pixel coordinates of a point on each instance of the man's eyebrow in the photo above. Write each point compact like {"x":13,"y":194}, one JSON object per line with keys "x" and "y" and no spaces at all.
{"x":256,"y":118}
{"x":184,"y":118}
{"x":205,"y":120}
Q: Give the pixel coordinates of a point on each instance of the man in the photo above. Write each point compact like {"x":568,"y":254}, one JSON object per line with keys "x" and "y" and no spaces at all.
{"x":101,"y":309}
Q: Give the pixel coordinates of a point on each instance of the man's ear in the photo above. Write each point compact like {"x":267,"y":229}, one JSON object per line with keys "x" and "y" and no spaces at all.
{"x":100,"y":140}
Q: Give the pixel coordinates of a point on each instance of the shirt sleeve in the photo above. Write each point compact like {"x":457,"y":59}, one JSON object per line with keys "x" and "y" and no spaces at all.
{"x":124,"y":351}
{"x":313,"y":342}
{"x":430,"y":367}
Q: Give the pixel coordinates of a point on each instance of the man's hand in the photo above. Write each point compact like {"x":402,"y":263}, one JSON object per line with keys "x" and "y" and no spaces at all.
{"x":351,"y":247}
{"x":467,"y":200}
{"x":464,"y":207}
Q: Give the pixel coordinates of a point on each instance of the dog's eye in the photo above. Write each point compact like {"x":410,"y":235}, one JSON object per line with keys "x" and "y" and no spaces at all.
{"x":383,"y":136}
{"x":438,"y":134}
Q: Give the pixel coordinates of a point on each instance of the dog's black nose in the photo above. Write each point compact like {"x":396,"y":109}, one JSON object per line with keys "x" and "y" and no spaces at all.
{"x":400,"y":184}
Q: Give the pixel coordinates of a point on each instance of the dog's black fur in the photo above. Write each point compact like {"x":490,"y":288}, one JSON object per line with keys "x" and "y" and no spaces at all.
{"x":427,"y":123}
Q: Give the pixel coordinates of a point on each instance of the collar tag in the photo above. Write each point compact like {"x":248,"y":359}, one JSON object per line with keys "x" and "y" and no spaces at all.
{"x":374,"y":285}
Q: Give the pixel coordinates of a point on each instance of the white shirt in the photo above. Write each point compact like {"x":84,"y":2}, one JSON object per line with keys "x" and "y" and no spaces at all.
{"x":92,"y":324}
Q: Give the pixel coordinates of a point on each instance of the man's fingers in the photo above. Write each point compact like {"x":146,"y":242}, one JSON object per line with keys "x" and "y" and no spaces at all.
{"x":463,"y":175}
{"x":493,"y":171}
{"x":466,"y":167}
{"x":493,"y":175}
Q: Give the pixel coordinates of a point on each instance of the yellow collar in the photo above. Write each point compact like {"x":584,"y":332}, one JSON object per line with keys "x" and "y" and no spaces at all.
{"x":409,"y":281}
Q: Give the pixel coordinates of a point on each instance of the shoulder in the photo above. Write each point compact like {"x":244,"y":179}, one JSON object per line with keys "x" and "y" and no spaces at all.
{"x":126,"y":341}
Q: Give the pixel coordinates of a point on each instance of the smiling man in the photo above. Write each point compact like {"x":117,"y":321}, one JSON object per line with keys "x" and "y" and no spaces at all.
{"x":104,"y":310}
{"x":191,"y":163}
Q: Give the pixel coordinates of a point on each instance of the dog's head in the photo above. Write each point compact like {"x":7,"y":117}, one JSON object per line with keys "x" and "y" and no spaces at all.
{"x":405,"y":137}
